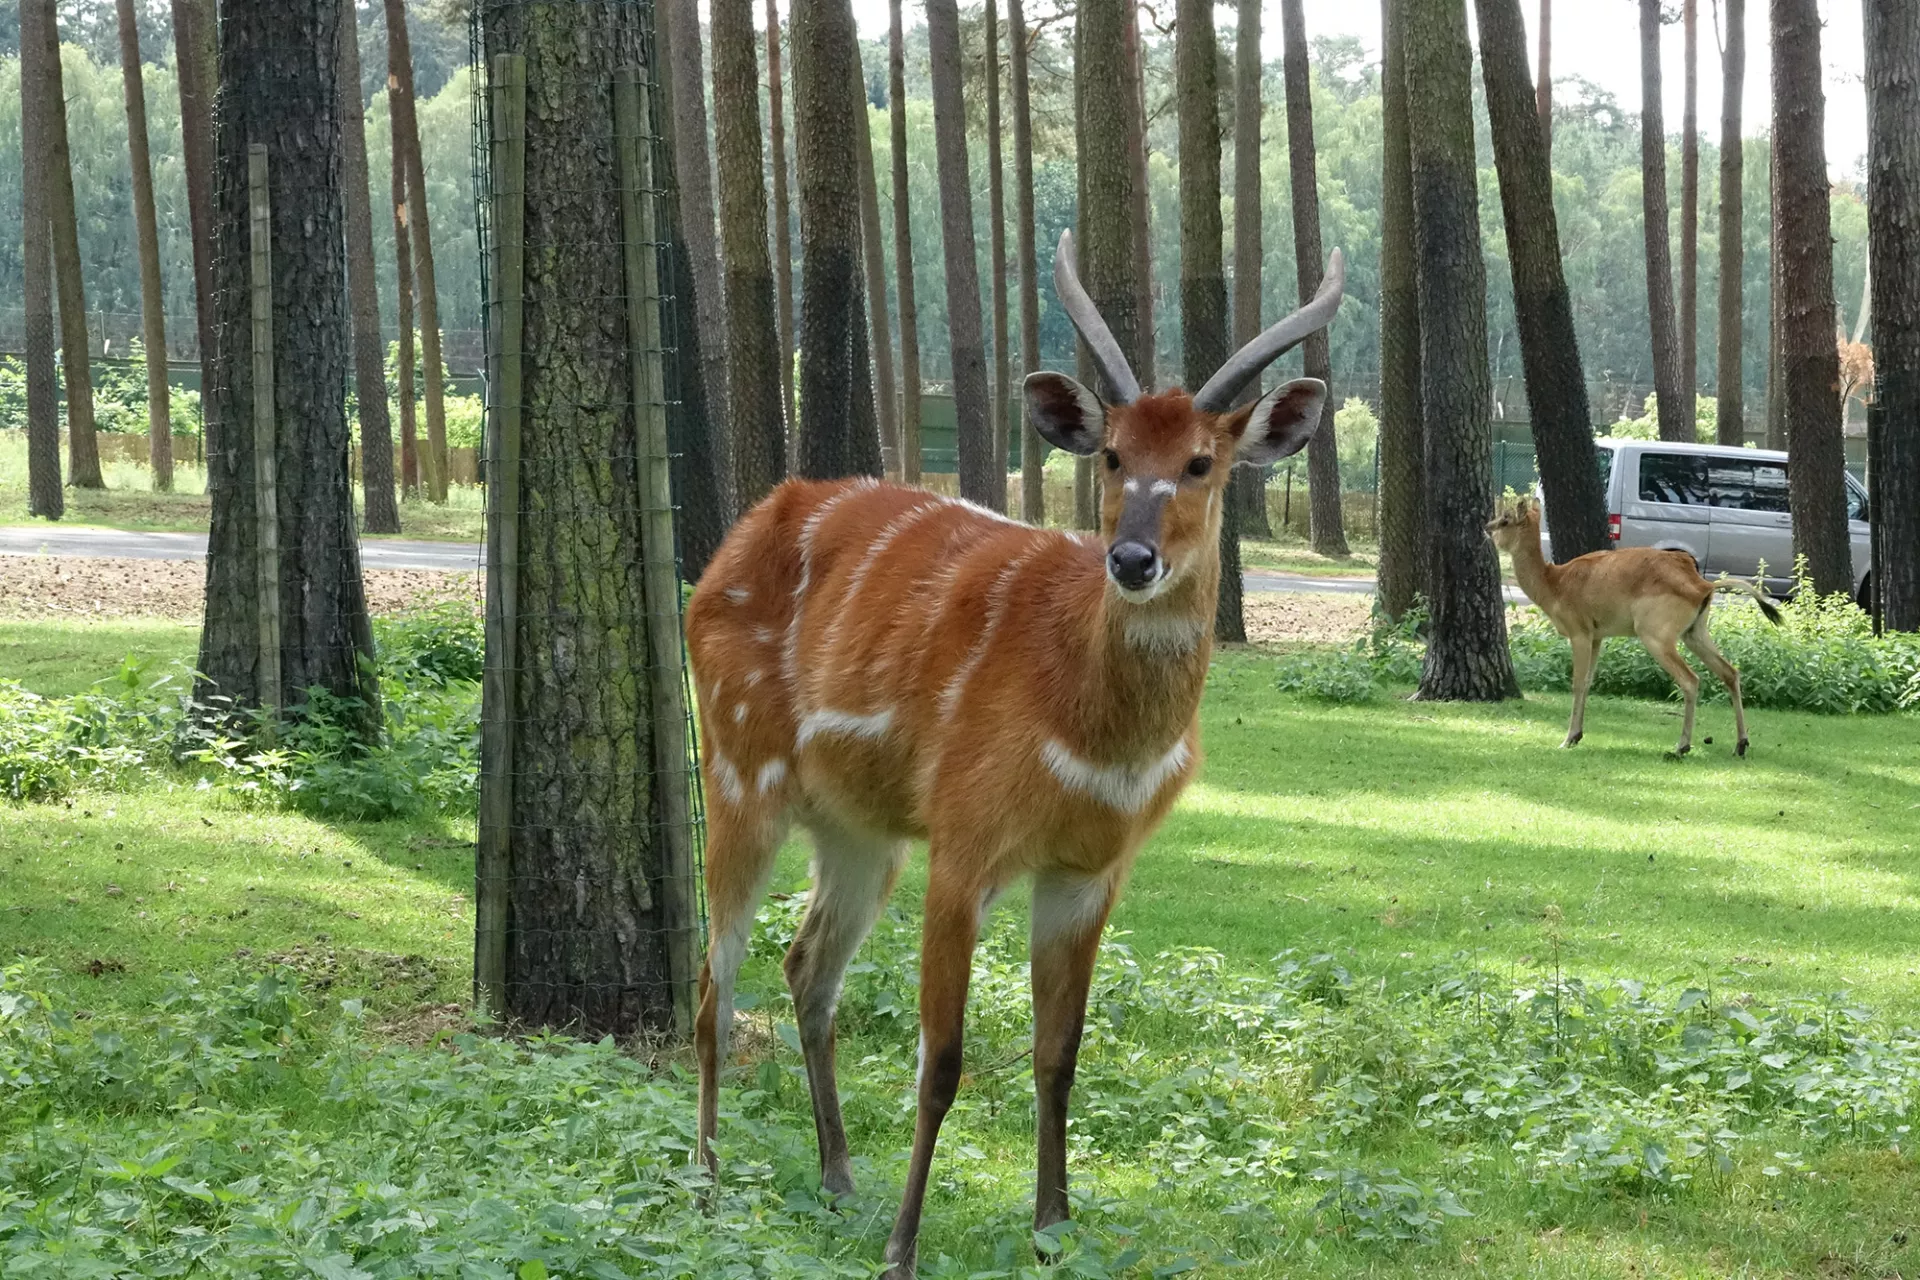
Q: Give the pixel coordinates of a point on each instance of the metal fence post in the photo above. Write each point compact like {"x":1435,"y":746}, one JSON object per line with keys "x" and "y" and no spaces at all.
{"x":266,"y":503}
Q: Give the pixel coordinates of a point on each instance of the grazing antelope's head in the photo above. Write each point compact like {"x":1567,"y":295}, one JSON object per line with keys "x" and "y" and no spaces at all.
{"x":1514,"y":522}
{"x":1165,"y":458}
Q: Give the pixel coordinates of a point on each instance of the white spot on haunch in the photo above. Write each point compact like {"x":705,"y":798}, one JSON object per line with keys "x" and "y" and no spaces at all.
{"x":739,"y":713}
{"x":728,"y":777}
{"x":737,"y":594}
{"x":755,"y":676}
{"x":843,"y":722}
{"x":763,"y":634}
{"x":1126,"y":787}
{"x":772,"y":774}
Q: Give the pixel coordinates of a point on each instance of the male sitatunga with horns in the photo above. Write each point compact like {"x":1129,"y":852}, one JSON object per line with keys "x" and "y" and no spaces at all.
{"x":883,"y":664}
{"x":1656,"y":595}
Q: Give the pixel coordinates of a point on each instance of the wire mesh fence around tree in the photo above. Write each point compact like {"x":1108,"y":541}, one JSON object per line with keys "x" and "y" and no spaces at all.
{"x":588,"y":911}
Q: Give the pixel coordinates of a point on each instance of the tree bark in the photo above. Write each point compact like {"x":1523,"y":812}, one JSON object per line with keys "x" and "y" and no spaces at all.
{"x":1893,"y":211}
{"x":1543,"y":309}
{"x":1467,"y":658}
{"x":279,"y":87}
{"x":587,"y":940}
{"x":1247,"y":496}
{"x":1033,"y":487}
{"x":194,"y":58}
{"x":982,"y":479}
{"x":76,"y":371}
{"x":153,"y":322}
{"x":1675,"y":407}
{"x":874,"y":259}
{"x":379,"y":512}
{"x":1690,"y":213}
{"x":903,"y":250}
{"x":1145,"y":351}
{"x":782,"y":265}
{"x":1403,"y":509}
{"x":758,"y":439}
{"x":1803,"y":237}
{"x":1543,"y":90}
{"x":1729,"y":387}
{"x":45,"y":496}
{"x":1776,"y":359}
{"x":1104,"y":237}
{"x":999,"y":397}
{"x":1325,"y":527}
{"x":406,"y":143}
{"x":403,"y":301}
{"x":833,"y":367}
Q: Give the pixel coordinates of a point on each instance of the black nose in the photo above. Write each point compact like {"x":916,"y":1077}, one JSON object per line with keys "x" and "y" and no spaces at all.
{"x":1132,"y":564}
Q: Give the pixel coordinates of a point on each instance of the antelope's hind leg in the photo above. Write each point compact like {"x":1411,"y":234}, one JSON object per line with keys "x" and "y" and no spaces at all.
{"x":1666,"y":655}
{"x":853,"y":873}
{"x":1699,"y":640}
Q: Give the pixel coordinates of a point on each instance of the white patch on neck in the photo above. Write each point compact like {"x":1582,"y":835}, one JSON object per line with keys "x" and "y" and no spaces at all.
{"x":843,"y":722}
{"x":728,"y":777}
{"x":1128,"y":788}
{"x":1164,"y":634}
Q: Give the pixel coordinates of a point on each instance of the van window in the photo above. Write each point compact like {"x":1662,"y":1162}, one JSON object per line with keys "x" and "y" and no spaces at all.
{"x":1604,"y":457}
{"x":1747,"y":486}
{"x":1673,"y":477}
{"x":1856,"y":500}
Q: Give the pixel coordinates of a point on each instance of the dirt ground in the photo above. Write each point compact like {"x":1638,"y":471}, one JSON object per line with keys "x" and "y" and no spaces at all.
{"x":1293,"y":617}
{"x":105,"y":587}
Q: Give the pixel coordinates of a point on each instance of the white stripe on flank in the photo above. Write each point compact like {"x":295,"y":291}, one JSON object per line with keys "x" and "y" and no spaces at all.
{"x":790,"y":654}
{"x":728,"y":777}
{"x":1126,"y":787}
{"x":843,"y":722}
{"x":737,"y":594}
{"x":739,"y":713}
{"x":996,"y":610}
{"x":988,"y":512}
{"x":755,"y":676}
{"x":772,"y":774}
{"x":899,"y":525}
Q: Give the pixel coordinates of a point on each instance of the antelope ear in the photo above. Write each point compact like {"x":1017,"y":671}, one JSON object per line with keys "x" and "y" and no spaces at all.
{"x":1066,"y":414}
{"x":1282,"y":422}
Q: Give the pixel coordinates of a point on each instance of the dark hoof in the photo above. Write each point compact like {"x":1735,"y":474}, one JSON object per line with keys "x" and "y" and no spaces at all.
{"x":1678,"y":752}
{"x":1740,"y":749}
{"x":1572,"y":741}
{"x":838,"y":1184}
{"x":901,"y":1268}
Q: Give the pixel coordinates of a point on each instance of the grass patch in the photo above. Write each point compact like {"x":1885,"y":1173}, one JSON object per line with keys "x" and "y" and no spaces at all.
{"x":1289,"y":555}
{"x":55,"y":657}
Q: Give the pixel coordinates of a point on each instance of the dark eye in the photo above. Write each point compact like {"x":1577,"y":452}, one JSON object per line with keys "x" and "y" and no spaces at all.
{"x":1200,"y":466}
{"x":1113,"y":460}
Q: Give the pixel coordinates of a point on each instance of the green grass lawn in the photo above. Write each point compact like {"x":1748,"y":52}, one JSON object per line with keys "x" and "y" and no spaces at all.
{"x":54,"y":657}
{"x":1412,"y":844}
{"x":1288,"y":555}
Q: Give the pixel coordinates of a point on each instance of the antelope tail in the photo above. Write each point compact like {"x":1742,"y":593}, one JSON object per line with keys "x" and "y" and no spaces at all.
{"x":1754,"y":589}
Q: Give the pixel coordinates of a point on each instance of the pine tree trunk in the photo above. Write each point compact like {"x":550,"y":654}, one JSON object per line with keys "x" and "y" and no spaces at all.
{"x":874,"y":259}
{"x":406,"y":143}
{"x":982,"y":479}
{"x":1247,"y":496}
{"x":379,"y":513}
{"x":1543,"y":310}
{"x":1893,"y":211}
{"x":1145,"y":351}
{"x":45,"y":495}
{"x":1810,"y":372}
{"x":195,"y":70}
{"x":1776,"y":400}
{"x":1403,"y":507}
{"x":1327,"y":532}
{"x":1033,"y":485}
{"x":1675,"y":408}
{"x":903,"y":250}
{"x":834,"y":378}
{"x":76,"y":371}
{"x":1729,"y":386}
{"x":1690,"y":213}
{"x":153,"y":322}
{"x":1104,"y":237}
{"x":754,"y":394}
{"x":999,"y":393}
{"x":279,"y":88}
{"x":1467,"y":658}
{"x":404,"y":359}
{"x":586,"y":946}
{"x":1543,"y":90}
{"x":1084,"y":513}
{"x":782,"y":266}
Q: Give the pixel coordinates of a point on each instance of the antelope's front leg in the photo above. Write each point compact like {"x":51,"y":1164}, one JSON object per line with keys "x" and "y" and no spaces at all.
{"x":1068,"y":914}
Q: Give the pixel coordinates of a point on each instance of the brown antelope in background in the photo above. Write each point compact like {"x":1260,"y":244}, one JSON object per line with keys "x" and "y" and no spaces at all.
{"x":882,"y":664}
{"x":1656,"y":595}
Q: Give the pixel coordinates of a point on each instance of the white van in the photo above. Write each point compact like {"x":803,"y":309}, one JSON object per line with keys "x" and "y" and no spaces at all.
{"x":1725,"y":506}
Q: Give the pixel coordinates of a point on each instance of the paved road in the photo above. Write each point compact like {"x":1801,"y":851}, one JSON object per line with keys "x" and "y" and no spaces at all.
{"x":395,"y":553}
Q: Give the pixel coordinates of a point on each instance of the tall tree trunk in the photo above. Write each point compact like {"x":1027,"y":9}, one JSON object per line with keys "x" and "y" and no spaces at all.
{"x":1326,"y":530}
{"x":678,"y":41}
{"x":406,"y":143}
{"x":195,"y":56}
{"x":1145,"y":351}
{"x":1403,"y":508}
{"x":1690,"y":211}
{"x":1085,"y":513}
{"x":1674,"y":405}
{"x":1729,"y":387}
{"x":380,"y":514}
{"x":1803,"y":237}
{"x":758,"y":439}
{"x":999,"y":396}
{"x":1776,"y":359}
{"x":1203,"y":284}
{"x":903,"y":250}
{"x":782,"y":266}
{"x":404,"y":361}
{"x":982,"y":479}
{"x":45,"y":496}
{"x":836,"y":394}
{"x":1543,"y":90}
{"x":83,"y":451}
{"x":1893,"y":231}
{"x":153,"y":322}
{"x":279,"y":87}
{"x":1467,"y":657}
{"x":588,"y":928}
{"x":1543,"y":310}
{"x":1247,"y":496}
{"x":874,"y":257}
{"x":1104,"y":237}
{"x":1033,"y":483}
